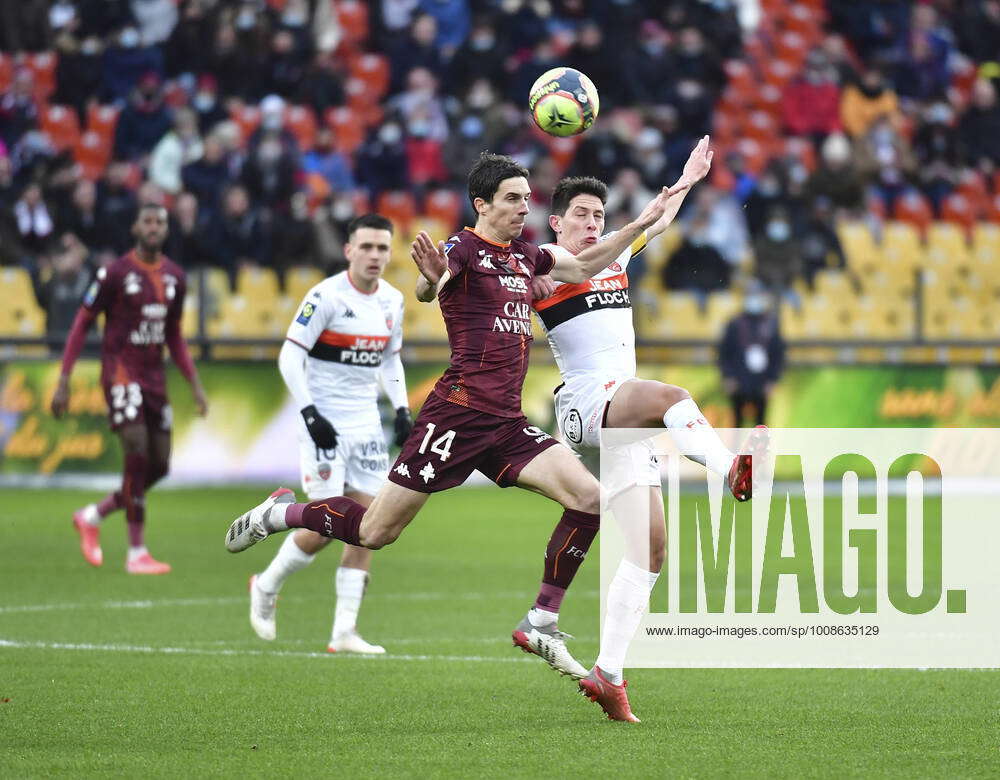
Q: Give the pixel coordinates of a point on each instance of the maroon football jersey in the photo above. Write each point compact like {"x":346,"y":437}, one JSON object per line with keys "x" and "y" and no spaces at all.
{"x":137,"y":299}
{"x":487,"y":310}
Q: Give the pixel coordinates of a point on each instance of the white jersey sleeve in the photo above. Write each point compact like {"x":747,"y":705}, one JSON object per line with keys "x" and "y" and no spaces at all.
{"x":311,"y":320}
{"x":396,"y":336}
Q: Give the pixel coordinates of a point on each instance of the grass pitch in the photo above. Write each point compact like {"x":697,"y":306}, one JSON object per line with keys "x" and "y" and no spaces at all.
{"x":103,"y":673}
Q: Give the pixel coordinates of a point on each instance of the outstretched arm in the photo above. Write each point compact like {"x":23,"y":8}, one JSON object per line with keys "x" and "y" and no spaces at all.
{"x":433,"y":264}
{"x":698,"y":164}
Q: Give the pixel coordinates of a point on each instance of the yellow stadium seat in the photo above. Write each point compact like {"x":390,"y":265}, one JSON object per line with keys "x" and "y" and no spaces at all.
{"x":947,"y":246}
{"x":856,"y":239}
{"x":676,"y":316}
{"x":423,"y":322}
{"x":986,"y":246}
{"x":901,"y":248}
{"x":792,"y":322}
{"x":257,"y":284}
{"x":722,"y":307}
{"x":240,"y":318}
{"x":20,"y":316}
{"x":833,"y":284}
{"x":189,"y":320}
{"x":301,"y":279}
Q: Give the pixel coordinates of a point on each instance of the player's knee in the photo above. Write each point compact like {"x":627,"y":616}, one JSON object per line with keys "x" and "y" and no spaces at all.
{"x":586,"y":497}
{"x":670,"y":395}
{"x":657,"y":554}
{"x":377,"y":538}
{"x":155,"y":471}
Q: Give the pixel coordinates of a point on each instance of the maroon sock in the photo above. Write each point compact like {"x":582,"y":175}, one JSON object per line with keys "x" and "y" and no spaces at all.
{"x":110,"y":503}
{"x":567,"y":548}
{"x":337,"y":517}
{"x":134,"y":496}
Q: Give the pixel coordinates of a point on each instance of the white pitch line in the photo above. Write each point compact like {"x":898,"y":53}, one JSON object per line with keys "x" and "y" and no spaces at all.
{"x":15,"y":644}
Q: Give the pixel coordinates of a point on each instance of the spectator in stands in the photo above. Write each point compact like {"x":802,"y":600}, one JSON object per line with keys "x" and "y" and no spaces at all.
{"x":424,"y":154}
{"x":936,"y":148}
{"x":465,"y":142}
{"x":677,"y":139}
{"x":544,"y":56}
{"x":330,"y":221}
{"x":143,"y":122}
{"x":417,"y":50}
{"x":978,"y":28}
{"x":482,"y":56}
{"x":649,"y":65}
{"x":648,"y":157}
{"x":294,"y":238}
{"x":589,"y":55}
{"x":8,"y":188}
{"x":269,"y":172}
{"x":840,"y":58}
{"x":78,"y":72}
{"x":885,"y":159}
{"x":819,"y":244}
{"x":179,"y":147}
{"x":867,"y":101}
{"x":34,"y":223}
{"x":286,"y":66}
{"x":421,"y":103}
{"x":189,"y":48}
{"x":604,"y":151}
{"x":923,"y":73}
{"x":18,"y":110}
{"x":189,"y":243}
{"x":24,"y":25}
{"x":626,"y":193}
{"x":206,"y":105}
{"x":453,"y":22}
{"x":778,"y":260}
{"x":208,"y":177}
{"x":769,"y":192}
{"x":238,"y":56}
{"x":696,"y":265}
{"x":811,"y":103}
{"x":322,"y":85}
{"x":239,"y":235}
{"x":722,"y":222}
{"x":752,"y":357}
{"x":694,"y":104}
{"x":127,"y":61}
{"x":325,"y":160}
{"x":381,"y":162}
{"x":83,"y":219}
{"x":155,"y":19}
{"x":979,"y":128}
{"x":59,"y":282}
{"x":272,"y":125}
{"x":837,"y":178}
{"x":116,"y":204}
{"x":694,"y":59}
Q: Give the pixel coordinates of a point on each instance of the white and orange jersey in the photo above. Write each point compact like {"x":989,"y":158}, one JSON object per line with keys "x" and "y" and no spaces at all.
{"x":346,"y":333}
{"x":589,"y":325}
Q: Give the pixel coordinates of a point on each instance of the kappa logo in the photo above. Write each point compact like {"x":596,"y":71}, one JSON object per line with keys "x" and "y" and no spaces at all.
{"x":428,"y":473}
{"x":349,"y":314}
{"x":487,"y":262}
{"x":403,"y":470}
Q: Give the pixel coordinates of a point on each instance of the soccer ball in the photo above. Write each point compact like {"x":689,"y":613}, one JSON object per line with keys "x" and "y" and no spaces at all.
{"x":563,"y":102}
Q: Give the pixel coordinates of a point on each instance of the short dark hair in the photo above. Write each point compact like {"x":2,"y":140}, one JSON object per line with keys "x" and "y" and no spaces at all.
{"x":148,"y":205}
{"x":570,"y":187}
{"x":376,"y":221}
{"x":491,"y":169}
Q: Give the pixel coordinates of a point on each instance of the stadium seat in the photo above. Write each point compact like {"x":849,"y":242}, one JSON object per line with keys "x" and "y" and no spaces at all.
{"x":740,"y":76}
{"x":101,"y":119}
{"x":352,"y":17}
{"x":61,"y":125}
{"x":373,"y":70}
{"x":986,"y":246}
{"x":445,"y":206}
{"x":257,"y":284}
{"x":792,"y":47}
{"x":777,"y":72}
{"x":423,"y":322}
{"x":677,"y":316}
{"x":399,"y":206}
{"x":299,"y":280}
{"x":361,"y":201}
{"x":42,"y":64}
{"x":722,"y":307}
{"x":834,"y":285}
{"x":301,"y":121}
{"x":914,"y":208}
{"x":6,"y":71}
{"x":959,"y":210}
{"x":762,"y":127}
{"x":348,"y":128}
{"x":901,"y":248}
{"x":947,"y":245}
{"x":189,"y":319}
{"x":858,"y":243}
{"x":768,"y":98}
{"x":972,"y":185}
{"x":92,"y":152}
{"x":247,"y":118}
{"x":20,"y":316}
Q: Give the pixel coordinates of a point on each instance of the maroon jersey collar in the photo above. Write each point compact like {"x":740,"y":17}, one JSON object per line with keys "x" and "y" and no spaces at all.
{"x":483,"y":238}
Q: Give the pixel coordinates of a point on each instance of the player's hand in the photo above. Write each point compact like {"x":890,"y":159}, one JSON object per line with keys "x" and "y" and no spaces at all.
{"x":200,"y":399}
{"x":431,"y":260}
{"x":403,"y":425}
{"x":60,"y":398}
{"x":698,"y":164}
{"x":654,"y":210}
{"x":320,"y":430}
{"x":542,"y":287}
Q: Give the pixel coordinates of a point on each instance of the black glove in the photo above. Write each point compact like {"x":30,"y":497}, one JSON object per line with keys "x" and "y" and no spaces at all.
{"x":322,"y":433}
{"x":403,"y":425}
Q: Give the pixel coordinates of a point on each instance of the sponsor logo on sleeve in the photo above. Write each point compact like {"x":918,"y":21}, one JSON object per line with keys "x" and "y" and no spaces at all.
{"x":91,"y":295}
{"x":306,"y":314}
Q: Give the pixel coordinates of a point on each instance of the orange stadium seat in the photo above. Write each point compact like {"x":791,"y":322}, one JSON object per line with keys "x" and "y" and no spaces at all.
{"x":92,"y":152}
{"x":562,"y":150}
{"x":6,"y":71}
{"x":247,"y":118}
{"x":740,"y":75}
{"x":972,"y":185}
{"x":399,"y":206}
{"x":352,"y":16}
{"x":958,"y":209}
{"x":914,"y":208}
{"x":373,"y":70}
{"x":445,"y":206}
{"x":761,"y":127}
{"x":362,"y":203}
{"x":802,"y":150}
{"x":791,"y":46}
{"x":803,"y":20}
{"x":993,"y":212}
{"x":43,"y":65}
{"x":348,"y":128}
{"x":61,"y":125}
{"x":301,"y":121}
{"x":102,"y":120}
{"x":769,"y":98}
{"x":777,"y":72}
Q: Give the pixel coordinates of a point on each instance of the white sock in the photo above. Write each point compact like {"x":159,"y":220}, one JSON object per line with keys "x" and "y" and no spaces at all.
{"x":277,"y":516}
{"x":136,"y":552}
{"x":542,"y":617}
{"x":90,"y":515}
{"x":696,"y":439}
{"x":350,"y":585}
{"x":628,"y":596}
{"x":290,"y":559}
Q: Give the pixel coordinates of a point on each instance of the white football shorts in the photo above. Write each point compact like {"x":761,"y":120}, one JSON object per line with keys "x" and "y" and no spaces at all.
{"x":359,"y":463}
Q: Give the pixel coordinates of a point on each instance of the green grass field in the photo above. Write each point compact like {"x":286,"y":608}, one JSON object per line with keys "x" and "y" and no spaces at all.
{"x":103,"y":673}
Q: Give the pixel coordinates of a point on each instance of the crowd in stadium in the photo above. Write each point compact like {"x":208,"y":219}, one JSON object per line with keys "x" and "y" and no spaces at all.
{"x":265,"y":125}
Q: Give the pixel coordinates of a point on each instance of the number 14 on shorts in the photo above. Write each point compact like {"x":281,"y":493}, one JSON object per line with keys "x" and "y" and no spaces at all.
{"x":440,"y":446}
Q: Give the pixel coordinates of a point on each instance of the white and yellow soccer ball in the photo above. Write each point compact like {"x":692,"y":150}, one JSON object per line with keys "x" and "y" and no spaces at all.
{"x":564,"y":102}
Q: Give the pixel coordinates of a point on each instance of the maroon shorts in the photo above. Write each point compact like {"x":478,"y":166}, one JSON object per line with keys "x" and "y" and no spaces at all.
{"x":130,"y":403}
{"x":449,"y":442}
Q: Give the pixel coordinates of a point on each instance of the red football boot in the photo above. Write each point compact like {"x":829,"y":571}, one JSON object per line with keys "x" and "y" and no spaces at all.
{"x":146,"y":564}
{"x":612,"y":698}
{"x":741,"y":472}
{"x":90,"y":539}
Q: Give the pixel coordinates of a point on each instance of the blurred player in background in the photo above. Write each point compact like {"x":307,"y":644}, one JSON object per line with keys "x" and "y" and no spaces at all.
{"x":590,"y":330}
{"x":344,"y":341}
{"x":142,"y":297}
{"x":473,"y":419}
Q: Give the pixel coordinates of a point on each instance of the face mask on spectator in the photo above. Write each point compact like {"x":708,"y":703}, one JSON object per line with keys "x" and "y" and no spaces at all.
{"x":129,"y":38}
{"x":778,"y":230}
{"x":90,"y":46}
{"x":294,"y":18}
{"x":204,"y":101}
{"x":246,"y":19}
{"x":342,"y":210}
{"x":471,"y":127}
{"x":390,"y":134}
{"x":420,"y":128}
{"x":755,"y":304}
{"x":482,"y":42}
{"x":480,"y":97}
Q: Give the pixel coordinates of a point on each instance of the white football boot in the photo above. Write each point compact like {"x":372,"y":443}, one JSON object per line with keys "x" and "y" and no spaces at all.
{"x":549,"y":644}
{"x":250,"y":527}
{"x":351,"y":642}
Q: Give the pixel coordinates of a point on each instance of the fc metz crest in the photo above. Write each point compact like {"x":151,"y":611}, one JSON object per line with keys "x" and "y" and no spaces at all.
{"x":615,"y":267}
{"x":324,"y":471}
